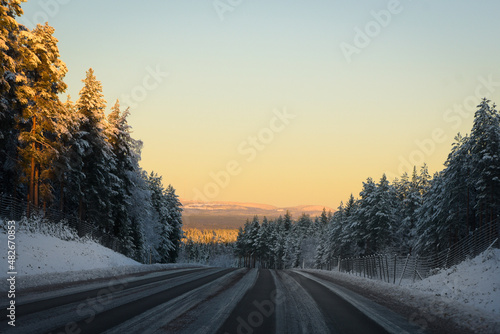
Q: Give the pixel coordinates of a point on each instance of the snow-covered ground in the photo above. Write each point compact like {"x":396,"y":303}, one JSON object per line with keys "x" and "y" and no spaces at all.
{"x":473,"y":282}
{"x":40,"y":254}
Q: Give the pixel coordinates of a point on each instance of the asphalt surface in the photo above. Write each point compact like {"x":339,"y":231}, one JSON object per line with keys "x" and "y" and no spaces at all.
{"x":340,"y":316}
{"x":34,"y":307}
{"x":108,"y":319}
{"x":255,"y":313}
{"x":151,"y":300}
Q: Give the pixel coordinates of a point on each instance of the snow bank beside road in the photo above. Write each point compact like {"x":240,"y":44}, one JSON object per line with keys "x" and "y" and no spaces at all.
{"x":41,"y":254}
{"x":43,"y":259}
{"x":473,"y":282}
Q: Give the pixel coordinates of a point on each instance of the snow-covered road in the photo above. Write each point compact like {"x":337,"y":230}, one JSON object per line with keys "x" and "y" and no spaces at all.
{"x":206,"y":300}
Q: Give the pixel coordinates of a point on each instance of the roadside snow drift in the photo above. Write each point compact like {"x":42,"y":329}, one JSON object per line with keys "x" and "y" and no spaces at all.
{"x":41,"y":254}
{"x":473,"y":282}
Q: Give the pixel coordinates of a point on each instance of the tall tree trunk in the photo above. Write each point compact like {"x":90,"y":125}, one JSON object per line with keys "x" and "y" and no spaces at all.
{"x":80,"y":208}
{"x":468,"y":199}
{"x":37,"y":186}
{"x":31,"y":195}
{"x":61,"y":195}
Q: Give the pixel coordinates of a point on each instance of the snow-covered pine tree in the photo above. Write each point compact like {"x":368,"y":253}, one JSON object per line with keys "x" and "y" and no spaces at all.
{"x":382,"y":221}
{"x":39,"y":124}
{"x":69,"y":162}
{"x":485,"y":162}
{"x":174,"y":207}
{"x":93,"y":180}
{"x":278,"y":248}
{"x":253,"y":241}
{"x":160,"y":238}
{"x":262,"y":243}
{"x":140,"y":212}
{"x":14,"y":92}
{"x":321,"y":250}
{"x":126,"y":156}
{"x":324,"y":217}
{"x":287,"y":221}
{"x":239,"y":247}
{"x":334,"y":233}
{"x":272,"y":243}
{"x":308,"y":239}
{"x":465,"y":195}
{"x":358,"y":228}
{"x":294,"y":246}
{"x":432,"y":231}
{"x":409,"y":200}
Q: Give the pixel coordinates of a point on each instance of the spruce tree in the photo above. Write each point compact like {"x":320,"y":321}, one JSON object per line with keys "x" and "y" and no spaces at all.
{"x":485,"y":164}
{"x":93,"y":181}
{"x":174,"y":207}
{"x":126,"y":157}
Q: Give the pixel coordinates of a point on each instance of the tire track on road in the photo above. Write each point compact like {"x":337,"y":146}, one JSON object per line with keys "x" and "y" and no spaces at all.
{"x":296,"y":311}
{"x":115,"y":316}
{"x":255,"y":313}
{"x":340,"y":316}
{"x":41,"y":305}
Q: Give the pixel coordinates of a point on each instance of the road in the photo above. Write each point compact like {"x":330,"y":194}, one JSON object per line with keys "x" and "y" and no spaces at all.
{"x":205,"y":300}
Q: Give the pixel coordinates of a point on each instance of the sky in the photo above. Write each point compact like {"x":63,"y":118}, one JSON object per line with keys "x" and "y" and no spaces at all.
{"x":285,"y":102}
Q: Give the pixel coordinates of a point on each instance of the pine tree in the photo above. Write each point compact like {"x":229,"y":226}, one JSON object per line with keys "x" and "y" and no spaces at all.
{"x":14,"y":92}
{"x":126,"y":154}
{"x":409,"y":198}
{"x":262,"y":243}
{"x":281,"y":235}
{"x":162,"y":242}
{"x":253,"y":240}
{"x":324,"y":217}
{"x":94,"y":180}
{"x":382,"y":221}
{"x":359,"y":225}
{"x":485,"y":164}
{"x":38,"y":136}
{"x":174,"y":207}
{"x":287,"y":221}
{"x":432,"y":230}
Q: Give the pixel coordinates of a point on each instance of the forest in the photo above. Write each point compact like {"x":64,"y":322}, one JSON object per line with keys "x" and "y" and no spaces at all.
{"x":213,"y":247}
{"x":76,"y":156}
{"x":413,"y":214}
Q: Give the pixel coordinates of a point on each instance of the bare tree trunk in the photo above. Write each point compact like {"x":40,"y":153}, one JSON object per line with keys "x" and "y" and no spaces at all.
{"x":61,"y":200}
{"x":468,"y":198}
{"x":36,"y":186}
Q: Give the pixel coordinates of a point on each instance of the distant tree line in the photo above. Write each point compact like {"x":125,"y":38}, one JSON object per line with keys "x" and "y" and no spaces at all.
{"x":416,"y":213}
{"x":210,"y":247}
{"x":280,"y":243}
{"x":70,"y":155}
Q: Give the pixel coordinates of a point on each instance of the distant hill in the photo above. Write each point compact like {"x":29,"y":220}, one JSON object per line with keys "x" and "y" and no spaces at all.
{"x":219,"y":215}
